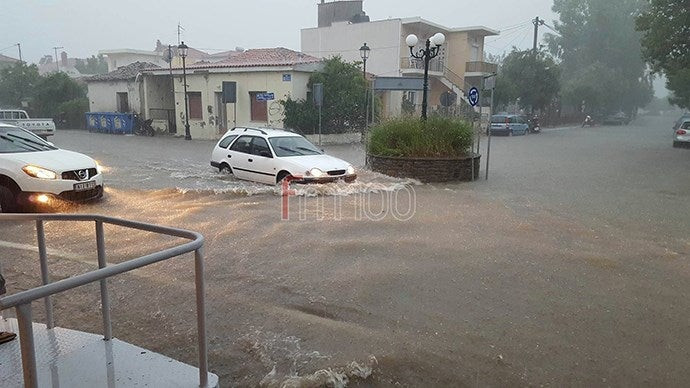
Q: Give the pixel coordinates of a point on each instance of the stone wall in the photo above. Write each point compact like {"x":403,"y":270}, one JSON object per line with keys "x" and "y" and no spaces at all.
{"x":427,"y":169}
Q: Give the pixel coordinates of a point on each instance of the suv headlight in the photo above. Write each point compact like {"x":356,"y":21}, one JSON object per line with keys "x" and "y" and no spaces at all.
{"x":39,"y":172}
{"x":315,"y":172}
{"x":350,"y":170}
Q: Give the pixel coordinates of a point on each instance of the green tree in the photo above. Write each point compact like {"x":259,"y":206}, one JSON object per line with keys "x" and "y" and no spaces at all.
{"x":665,"y":28}
{"x":93,"y":65}
{"x":343,"y":102}
{"x":17,"y":83}
{"x":533,"y":79}
{"x":54,"y":90}
{"x":600,"y":53}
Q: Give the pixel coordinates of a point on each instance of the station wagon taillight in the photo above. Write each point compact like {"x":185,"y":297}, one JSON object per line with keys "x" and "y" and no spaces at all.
{"x":681,"y":132}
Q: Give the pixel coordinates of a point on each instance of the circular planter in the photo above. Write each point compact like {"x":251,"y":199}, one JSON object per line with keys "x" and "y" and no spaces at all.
{"x":427,"y":169}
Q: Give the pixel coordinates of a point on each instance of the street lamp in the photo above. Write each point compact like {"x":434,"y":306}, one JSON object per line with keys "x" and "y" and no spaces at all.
{"x":182,"y":51}
{"x":364,"y":53}
{"x":432,"y":50}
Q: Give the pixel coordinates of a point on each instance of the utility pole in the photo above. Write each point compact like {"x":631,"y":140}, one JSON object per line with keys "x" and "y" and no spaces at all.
{"x":57,"y":61}
{"x":19,"y":47}
{"x":537,"y":22}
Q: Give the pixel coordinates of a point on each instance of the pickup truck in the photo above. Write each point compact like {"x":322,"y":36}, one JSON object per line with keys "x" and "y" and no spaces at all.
{"x":40,"y":127}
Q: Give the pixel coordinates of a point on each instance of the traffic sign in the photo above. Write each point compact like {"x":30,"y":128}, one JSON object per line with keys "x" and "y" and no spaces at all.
{"x":473,"y":96}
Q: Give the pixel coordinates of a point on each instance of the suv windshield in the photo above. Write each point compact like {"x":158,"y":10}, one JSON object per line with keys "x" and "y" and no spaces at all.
{"x":16,"y":140}
{"x":293,"y":146}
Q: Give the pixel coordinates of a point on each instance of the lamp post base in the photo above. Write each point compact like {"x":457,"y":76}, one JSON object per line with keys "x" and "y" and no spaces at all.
{"x":187,"y":135}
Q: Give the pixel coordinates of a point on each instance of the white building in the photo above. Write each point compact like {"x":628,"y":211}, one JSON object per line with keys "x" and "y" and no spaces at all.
{"x":118,"y":90}
{"x":343,"y":29}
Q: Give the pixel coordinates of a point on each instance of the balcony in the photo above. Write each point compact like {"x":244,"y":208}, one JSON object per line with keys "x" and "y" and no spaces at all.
{"x":473,"y":69}
{"x":414,"y":65}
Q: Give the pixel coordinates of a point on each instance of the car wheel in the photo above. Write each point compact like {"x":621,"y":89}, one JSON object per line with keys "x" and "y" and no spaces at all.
{"x":281,"y":176}
{"x":225,"y":169}
{"x":8,"y":203}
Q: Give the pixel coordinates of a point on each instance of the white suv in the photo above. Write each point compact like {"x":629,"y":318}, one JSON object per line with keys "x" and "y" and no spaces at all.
{"x":271,"y":155}
{"x":34,"y":172}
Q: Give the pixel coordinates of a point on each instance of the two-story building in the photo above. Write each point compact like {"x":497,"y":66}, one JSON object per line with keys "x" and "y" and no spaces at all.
{"x":343,"y":27}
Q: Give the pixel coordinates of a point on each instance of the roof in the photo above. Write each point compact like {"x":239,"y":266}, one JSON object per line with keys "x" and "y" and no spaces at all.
{"x":127,"y":72}
{"x":5,"y":58}
{"x":279,"y":56}
{"x":480,"y":29}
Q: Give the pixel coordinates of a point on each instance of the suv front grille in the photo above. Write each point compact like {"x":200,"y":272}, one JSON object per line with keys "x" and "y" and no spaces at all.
{"x":74,"y":175}
{"x":336,"y":172}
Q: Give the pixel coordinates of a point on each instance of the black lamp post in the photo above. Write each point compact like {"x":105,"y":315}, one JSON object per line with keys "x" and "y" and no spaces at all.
{"x":432,"y":50}
{"x":364,"y":53}
{"x":182,"y":49}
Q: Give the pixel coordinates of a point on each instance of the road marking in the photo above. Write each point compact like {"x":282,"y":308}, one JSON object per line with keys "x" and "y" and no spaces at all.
{"x":50,"y":252}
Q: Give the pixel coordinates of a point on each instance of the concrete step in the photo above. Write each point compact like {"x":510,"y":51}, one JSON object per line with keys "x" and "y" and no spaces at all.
{"x":70,"y":358}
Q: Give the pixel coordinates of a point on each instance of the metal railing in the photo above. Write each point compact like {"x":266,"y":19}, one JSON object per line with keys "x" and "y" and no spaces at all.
{"x":435,"y":65}
{"x":21,"y":301}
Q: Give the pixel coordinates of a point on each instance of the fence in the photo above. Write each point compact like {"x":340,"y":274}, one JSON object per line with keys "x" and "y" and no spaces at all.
{"x":21,"y":301}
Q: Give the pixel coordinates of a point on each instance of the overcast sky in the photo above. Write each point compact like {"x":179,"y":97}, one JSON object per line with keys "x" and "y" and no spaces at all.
{"x":83,"y":27}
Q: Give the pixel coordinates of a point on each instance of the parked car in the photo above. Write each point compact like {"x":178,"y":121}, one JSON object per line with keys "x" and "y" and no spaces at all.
{"x":40,"y":127}
{"x":270,"y":155}
{"x":507,"y":124}
{"x":619,"y":118}
{"x":680,"y":120}
{"x":681,"y":136}
{"x":35,"y":172}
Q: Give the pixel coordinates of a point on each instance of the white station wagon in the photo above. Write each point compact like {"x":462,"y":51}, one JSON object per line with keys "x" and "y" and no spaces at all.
{"x":271,"y":155}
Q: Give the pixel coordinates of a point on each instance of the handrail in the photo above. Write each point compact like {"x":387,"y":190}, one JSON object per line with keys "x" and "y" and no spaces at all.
{"x":21,"y":301}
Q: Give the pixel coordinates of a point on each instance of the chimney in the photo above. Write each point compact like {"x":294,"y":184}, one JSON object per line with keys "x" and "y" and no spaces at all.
{"x":63,"y":58}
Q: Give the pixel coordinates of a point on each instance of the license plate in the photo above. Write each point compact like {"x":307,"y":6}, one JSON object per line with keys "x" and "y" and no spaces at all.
{"x":84,"y":186}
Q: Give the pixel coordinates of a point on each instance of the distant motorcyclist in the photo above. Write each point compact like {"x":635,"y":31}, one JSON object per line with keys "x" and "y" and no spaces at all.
{"x":534,"y":126}
{"x":588,"y":121}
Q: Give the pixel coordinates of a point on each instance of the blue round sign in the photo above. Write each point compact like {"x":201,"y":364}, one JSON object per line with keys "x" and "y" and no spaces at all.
{"x":473,"y":96}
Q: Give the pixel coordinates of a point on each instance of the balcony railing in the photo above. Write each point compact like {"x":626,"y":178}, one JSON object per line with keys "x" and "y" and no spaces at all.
{"x":409,"y":63}
{"x":481,"y":67}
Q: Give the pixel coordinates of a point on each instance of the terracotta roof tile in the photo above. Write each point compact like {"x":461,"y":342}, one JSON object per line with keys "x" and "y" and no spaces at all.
{"x":123,"y":73}
{"x":278,"y":56}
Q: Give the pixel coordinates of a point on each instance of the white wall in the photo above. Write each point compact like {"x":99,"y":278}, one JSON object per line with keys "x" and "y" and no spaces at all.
{"x":344,"y":39}
{"x":103,"y":98}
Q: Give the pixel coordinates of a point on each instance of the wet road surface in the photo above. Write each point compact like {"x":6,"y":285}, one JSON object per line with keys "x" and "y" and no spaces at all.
{"x":568,"y":267}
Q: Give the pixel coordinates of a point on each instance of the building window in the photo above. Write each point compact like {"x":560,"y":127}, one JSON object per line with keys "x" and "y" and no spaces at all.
{"x":259,"y":112}
{"x":194,"y":101}
{"x":122,"y":102}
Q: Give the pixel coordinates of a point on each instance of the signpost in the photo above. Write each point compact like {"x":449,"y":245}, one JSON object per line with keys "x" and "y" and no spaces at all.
{"x":473,"y":96}
{"x":318,"y":100}
{"x":489,"y":84}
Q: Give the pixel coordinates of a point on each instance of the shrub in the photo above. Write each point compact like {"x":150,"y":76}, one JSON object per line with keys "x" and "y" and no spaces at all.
{"x":71,"y":114}
{"x":438,"y":137}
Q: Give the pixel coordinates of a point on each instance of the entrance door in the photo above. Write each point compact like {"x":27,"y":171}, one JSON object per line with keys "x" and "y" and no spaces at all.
{"x":259,"y":111}
{"x":122,"y":102}
{"x":221,"y":113}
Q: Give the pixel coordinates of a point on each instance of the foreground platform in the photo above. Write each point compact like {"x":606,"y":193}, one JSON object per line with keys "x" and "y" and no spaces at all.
{"x":70,"y":358}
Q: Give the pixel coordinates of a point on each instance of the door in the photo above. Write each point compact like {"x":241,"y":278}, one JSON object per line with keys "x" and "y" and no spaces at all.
{"x":259,"y":111}
{"x":261,"y":163}
{"x":239,"y":155}
{"x":122,"y":102}
{"x":221,"y":113}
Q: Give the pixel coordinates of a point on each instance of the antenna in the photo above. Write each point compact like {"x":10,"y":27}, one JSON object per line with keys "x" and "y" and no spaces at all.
{"x":179,"y":31}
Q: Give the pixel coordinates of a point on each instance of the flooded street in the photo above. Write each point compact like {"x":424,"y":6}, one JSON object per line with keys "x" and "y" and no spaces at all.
{"x":568,"y":267}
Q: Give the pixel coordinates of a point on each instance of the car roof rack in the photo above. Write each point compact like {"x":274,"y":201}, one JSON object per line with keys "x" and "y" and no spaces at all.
{"x":256,"y":129}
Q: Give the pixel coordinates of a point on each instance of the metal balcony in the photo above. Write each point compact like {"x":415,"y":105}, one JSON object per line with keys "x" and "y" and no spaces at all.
{"x":480,"y":68}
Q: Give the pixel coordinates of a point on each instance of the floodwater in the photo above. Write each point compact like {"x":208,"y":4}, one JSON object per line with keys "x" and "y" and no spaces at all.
{"x":471,"y":285}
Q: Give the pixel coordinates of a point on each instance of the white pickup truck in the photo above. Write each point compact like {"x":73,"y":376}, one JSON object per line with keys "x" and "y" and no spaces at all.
{"x":40,"y":127}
